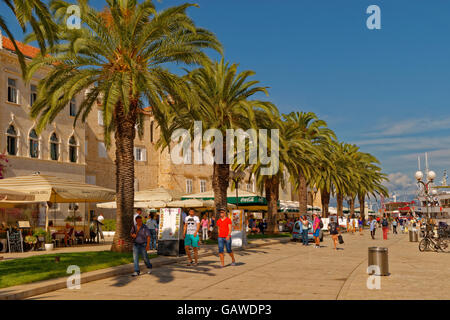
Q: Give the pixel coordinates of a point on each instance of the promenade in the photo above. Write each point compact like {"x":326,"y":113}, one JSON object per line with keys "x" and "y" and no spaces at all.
{"x":285,"y":271}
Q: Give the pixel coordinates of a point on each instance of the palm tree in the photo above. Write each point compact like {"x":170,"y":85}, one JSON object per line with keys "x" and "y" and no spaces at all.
{"x":117,"y":58}
{"x":308,"y":127}
{"x":371,"y":182}
{"x":223,"y":101}
{"x":290,"y":149}
{"x":36,"y":14}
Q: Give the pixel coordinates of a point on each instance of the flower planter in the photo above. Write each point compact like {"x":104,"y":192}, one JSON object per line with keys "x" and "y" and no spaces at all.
{"x":48,"y":246}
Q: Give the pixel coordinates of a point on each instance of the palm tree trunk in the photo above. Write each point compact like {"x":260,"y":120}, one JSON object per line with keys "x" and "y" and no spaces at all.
{"x":362,"y":206}
{"x":271,"y":186}
{"x":325,"y":197}
{"x":352,"y":206}
{"x":302,"y":193}
{"x":220,"y":183}
{"x":125,"y":134}
{"x":340,"y":204}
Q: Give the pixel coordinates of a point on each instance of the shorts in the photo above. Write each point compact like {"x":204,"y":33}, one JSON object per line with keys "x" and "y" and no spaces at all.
{"x":316,"y":233}
{"x":191,"y":241}
{"x":223,"y":242}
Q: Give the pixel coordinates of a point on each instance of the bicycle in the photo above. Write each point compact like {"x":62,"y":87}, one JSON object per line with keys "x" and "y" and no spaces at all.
{"x":429,"y":242}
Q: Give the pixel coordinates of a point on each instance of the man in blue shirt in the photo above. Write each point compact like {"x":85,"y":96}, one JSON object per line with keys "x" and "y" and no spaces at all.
{"x":141,"y":244}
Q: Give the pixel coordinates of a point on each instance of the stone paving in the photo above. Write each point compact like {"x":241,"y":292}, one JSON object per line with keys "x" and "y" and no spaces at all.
{"x":286,"y":271}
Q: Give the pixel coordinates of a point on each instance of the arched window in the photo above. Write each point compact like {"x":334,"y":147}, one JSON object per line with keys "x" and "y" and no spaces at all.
{"x":34,"y":144}
{"x":72,"y":149}
{"x":54,"y":147}
{"x":11,"y":141}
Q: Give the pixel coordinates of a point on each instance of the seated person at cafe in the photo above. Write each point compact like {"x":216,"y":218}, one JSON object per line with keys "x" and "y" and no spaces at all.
{"x":68,"y":232}
{"x":52,"y":229}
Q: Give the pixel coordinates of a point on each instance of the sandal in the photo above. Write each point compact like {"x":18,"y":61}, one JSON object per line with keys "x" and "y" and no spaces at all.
{"x":190,"y":264}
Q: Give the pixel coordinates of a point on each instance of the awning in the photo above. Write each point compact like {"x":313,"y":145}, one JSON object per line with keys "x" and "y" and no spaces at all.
{"x":158,"y":194}
{"x":53,"y":189}
{"x":10,"y":196}
{"x":194,"y":203}
{"x":245,"y":197}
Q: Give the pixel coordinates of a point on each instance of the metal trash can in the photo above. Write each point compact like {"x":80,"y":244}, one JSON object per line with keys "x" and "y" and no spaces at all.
{"x":378,"y":261}
{"x":413,"y":236}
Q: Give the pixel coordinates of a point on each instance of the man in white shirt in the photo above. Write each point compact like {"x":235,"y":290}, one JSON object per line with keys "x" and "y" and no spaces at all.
{"x":100,"y":219}
{"x":138,"y":213}
{"x":191,"y":238}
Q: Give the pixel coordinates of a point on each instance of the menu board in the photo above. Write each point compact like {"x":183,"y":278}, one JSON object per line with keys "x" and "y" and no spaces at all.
{"x":236,"y":218}
{"x":15,"y":241}
{"x":169,"y":224}
{"x":238,"y":234}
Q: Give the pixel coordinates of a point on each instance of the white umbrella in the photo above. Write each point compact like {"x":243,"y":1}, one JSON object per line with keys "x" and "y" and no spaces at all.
{"x":194,"y":203}
{"x":137,"y":204}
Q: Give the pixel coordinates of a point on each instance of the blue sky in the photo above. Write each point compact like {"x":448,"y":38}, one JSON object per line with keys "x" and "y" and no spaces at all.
{"x":386,"y":90}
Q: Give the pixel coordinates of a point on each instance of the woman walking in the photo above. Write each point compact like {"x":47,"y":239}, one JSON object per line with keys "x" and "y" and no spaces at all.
{"x":205,"y":226}
{"x":316,"y":230}
{"x":304,"y":227}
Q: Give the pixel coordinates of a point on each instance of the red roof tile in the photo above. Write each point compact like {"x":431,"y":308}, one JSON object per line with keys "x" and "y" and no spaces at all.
{"x":27,"y":50}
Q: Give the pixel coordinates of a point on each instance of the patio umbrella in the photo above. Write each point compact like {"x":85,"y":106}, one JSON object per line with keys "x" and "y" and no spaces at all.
{"x":10,"y":196}
{"x":52,"y":189}
{"x":158,"y":194}
{"x":137,"y":204}
{"x":194,"y":203}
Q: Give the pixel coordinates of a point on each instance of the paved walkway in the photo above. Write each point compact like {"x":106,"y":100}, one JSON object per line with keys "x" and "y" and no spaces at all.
{"x":286,"y":271}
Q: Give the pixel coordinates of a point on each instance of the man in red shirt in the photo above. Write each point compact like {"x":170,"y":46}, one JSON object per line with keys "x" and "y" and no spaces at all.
{"x":224,"y":225}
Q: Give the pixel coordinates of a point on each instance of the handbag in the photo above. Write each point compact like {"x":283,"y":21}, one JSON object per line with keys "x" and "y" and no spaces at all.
{"x":340,"y":239}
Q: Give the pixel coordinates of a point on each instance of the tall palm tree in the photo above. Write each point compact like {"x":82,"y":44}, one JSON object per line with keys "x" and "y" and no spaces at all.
{"x":372,"y":179}
{"x":224,"y":100}
{"x":36,"y":14}
{"x":117,"y":58}
{"x":290,"y":149}
{"x":308,"y":127}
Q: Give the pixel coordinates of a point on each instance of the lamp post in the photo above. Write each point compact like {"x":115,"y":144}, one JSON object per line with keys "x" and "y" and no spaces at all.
{"x":431,"y":175}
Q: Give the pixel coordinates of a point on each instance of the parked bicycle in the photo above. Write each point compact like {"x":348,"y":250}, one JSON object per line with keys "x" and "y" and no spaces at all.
{"x":430,"y":242}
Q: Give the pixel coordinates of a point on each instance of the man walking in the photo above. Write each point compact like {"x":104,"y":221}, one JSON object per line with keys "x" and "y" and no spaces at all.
{"x":152,"y":225}
{"x":373,"y":227}
{"x":224,"y":224}
{"x":141,"y":244}
{"x":394,"y":226}
{"x":191,"y":237}
{"x":138,"y":213}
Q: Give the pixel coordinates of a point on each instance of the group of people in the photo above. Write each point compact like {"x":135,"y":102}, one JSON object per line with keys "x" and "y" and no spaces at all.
{"x":142,"y":237}
{"x":256,"y":226}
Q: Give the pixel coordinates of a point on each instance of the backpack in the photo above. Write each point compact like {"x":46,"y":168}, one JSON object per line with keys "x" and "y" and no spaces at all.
{"x":320,"y":224}
{"x":384,"y":223}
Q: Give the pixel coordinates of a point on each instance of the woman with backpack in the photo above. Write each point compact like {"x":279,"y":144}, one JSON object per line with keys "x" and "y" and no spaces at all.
{"x":385,"y":227}
{"x":334,"y":232}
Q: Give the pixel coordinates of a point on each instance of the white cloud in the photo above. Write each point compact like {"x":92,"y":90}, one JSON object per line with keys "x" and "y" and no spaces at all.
{"x":400,"y":183}
{"x":409,"y":126}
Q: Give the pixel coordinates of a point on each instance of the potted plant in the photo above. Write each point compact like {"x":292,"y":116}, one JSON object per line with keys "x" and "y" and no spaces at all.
{"x":48,"y":241}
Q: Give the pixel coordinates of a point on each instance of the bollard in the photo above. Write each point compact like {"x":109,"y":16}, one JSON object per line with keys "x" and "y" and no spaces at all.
{"x":378,"y":261}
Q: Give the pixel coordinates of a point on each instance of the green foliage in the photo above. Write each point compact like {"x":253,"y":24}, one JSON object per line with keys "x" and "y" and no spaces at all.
{"x":109,"y":225}
{"x":39,"y":232}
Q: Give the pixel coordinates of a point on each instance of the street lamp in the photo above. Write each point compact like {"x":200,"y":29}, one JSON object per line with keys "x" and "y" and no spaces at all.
{"x":431,"y":175}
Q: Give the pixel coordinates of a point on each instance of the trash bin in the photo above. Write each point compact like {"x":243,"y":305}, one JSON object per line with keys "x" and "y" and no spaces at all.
{"x":413,"y":236}
{"x":378,"y":261}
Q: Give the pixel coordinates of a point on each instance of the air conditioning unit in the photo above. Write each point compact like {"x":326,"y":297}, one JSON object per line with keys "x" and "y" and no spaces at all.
{"x":3,"y":245}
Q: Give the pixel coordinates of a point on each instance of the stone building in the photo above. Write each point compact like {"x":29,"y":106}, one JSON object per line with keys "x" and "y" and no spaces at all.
{"x":79,"y":153}
{"x":58,"y":150}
